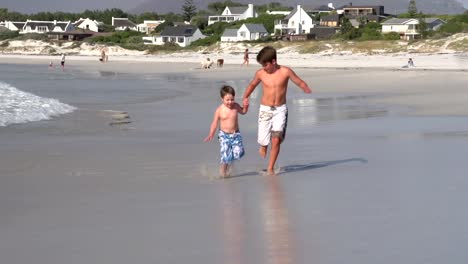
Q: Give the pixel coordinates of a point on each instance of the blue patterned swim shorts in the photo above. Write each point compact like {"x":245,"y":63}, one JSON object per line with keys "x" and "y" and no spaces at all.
{"x":231,"y":146}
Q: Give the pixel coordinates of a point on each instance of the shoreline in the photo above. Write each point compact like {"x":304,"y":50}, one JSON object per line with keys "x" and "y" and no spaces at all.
{"x":423,"y":61}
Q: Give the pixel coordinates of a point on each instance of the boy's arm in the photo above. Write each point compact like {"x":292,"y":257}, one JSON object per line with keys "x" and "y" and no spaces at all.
{"x":243,"y":109}
{"x":253,"y":84}
{"x":299,"y":82}
{"x":214,"y":125}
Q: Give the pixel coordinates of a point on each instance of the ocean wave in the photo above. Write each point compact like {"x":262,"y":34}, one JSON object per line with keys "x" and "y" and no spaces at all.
{"x":18,"y":107}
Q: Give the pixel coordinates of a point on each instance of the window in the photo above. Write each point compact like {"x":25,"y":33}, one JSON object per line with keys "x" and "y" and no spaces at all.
{"x":180,"y":39}
{"x":165,"y":39}
{"x":42,"y":28}
{"x":242,"y":34}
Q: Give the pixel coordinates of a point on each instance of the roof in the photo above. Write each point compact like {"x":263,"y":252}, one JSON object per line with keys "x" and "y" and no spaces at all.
{"x":18,"y":24}
{"x":333,"y":17}
{"x":256,"y":28}
{"x":361,"y":6}
{"x":230,"y":32}
{"x":431,"y":20}
{"x":49,"y":24}
{"x":323,"y":8}
{"x":396,"y":21}
{"x":237,"y":9}
{"x":291,"y":14}
{"x":123,"y":22}
{"x":186,"y":31}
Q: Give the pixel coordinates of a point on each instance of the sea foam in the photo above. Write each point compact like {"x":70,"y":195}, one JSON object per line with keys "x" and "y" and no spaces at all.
{"x":17,"y":106}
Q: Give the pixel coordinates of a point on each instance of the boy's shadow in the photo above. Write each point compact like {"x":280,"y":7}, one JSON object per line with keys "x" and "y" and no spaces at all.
{"x":303,"y":167}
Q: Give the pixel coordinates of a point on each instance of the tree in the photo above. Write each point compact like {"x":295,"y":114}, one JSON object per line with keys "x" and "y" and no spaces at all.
{"x":189,"y":10}
{"x":422,"y":27}
{"x":412,"y":9}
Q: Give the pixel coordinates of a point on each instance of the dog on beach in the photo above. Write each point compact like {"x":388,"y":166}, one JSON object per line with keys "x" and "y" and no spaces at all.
{"x":207,"y":63}
{"x":220,"y":63}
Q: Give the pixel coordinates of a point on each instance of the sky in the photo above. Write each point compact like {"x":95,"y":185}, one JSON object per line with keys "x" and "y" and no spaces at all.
{"x":75,"y":6}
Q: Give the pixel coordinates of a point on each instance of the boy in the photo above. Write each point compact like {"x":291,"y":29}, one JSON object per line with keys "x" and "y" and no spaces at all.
{"x":229,"y":136}
{"x":273,"y":114}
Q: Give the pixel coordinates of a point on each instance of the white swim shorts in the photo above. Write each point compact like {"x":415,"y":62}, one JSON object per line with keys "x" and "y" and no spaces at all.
{"x":272,"y":121}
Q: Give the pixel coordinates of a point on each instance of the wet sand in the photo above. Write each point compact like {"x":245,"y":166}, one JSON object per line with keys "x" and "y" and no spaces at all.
{"x":373,"y":171}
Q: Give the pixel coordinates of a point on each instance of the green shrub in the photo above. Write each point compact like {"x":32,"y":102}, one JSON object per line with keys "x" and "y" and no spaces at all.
{"x":391,"y":36}
{"x":206,"y":41}
{"x":9,"y":35}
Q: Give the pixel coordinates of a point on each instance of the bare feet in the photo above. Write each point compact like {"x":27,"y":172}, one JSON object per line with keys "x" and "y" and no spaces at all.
{"x":271,"y":173}
{"x":263,"y":151}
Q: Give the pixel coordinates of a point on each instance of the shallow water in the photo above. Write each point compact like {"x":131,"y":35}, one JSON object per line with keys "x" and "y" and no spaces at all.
{"x":359,"y":182}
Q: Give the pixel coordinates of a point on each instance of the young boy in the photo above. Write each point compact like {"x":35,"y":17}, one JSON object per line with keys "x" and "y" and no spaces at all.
{"x":229,"y":136}
{"x":273,"y":114}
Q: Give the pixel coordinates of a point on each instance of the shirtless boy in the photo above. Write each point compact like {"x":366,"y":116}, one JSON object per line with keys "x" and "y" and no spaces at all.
{"x":273,"y":113}
{"x":229,"y":136}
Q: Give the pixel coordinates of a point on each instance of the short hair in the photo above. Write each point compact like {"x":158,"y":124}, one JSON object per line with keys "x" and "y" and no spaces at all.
{"x":267,"y":54}
{"x":226,"y":89}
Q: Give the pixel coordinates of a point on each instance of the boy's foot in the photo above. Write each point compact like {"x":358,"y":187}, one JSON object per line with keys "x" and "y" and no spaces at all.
{"x":262,"y":151}
{"x":270,"y":173}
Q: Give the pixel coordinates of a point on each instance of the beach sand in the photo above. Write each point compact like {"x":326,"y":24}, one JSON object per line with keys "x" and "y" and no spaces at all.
{"x":372,"y":170}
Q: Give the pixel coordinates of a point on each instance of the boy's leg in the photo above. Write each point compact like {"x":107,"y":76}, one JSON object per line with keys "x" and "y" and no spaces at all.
{"x":263,"y":151}
{"x":264,"y":130}
{"x":223,"y":170}
{"x":274,"y":152}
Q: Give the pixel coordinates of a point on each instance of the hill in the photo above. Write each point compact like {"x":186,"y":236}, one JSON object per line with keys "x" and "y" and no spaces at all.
{"x":391,"y":6}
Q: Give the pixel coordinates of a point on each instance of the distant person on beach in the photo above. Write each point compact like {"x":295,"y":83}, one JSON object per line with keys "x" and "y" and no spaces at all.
{"x":62,"y":61}
{"x":410,"y":62}
{"x":103,"y":55}
{"x":230,"y":139}
{"x":51,"y":64}
{"x":273,"y":113}
{"x":246,"y":58}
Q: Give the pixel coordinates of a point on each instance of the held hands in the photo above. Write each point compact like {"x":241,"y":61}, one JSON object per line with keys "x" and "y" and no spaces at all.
{"x":245,"y":101}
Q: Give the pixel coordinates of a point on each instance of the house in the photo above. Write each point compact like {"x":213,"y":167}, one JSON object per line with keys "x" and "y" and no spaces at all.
{"x":41,"y":27}
{"x":245,"y":33}
{"x":434,"y":23}
{"x":319,"y":9}
{"x":121,"y":24}
{"x":231,"y":14}
{"x":366,"y":13}
{"x":408,"y":28}
{"x":323,"y":32}
{"x":149,"y":26}
{"x":88,"y":24}
{"x":332,"y":20}
{"x":297,"y":22}
{"x":180,"y":35}
{"x":14,"y":26}
{"x":229,"y":35}
{"x":283,"y":13}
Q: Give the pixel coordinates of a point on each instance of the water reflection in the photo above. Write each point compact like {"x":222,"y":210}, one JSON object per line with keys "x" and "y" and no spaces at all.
{"x":337,"y":108}
{"x":273,"y":233}
{"x":278,"y":237}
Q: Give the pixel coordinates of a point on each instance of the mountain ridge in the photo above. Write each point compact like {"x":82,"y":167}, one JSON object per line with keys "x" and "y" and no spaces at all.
{"x":391,"y":6}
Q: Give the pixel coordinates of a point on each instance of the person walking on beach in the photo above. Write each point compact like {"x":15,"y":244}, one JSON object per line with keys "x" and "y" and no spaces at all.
{"x":62,"y":61}
{"x":230,"y":139}
{"x":273,"y":113}
{"x":246,"y":58}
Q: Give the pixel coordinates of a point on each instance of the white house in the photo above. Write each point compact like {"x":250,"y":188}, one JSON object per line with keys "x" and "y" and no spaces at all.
{"x":244,"y":33}
{"x":231,"y":14}
{"x":55,"y":26}
{"x":229,"y":35}
{"x":14,"y":26}
{"x":121,"y":24}
{"x":408,"y":28}
{"x":180,"y":35}
{"x":88,"y":24}
{"x":297,"y":22}
{"x":149,"y":25}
